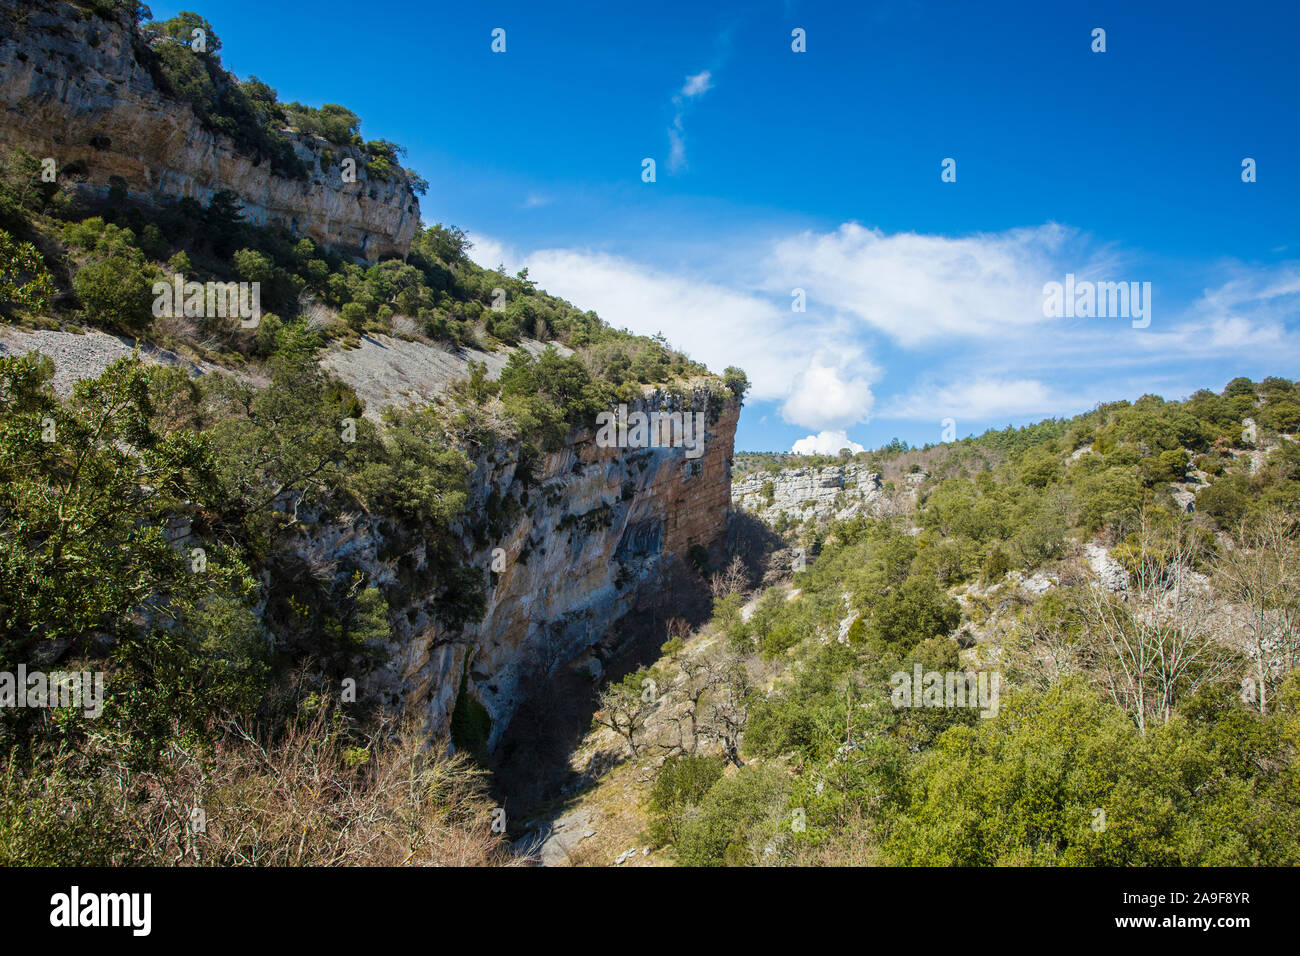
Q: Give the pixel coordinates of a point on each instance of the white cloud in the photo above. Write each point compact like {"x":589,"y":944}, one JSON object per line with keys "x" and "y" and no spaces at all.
{"x":701,"y":82}
{"x":1247,"y":313}
{"x":1248,"y":310}
{"x":825,"y":396}
{"x":966,"y":314}
{"x":825,"y":443}
{"x":676,"y":144}
{"x":919,"y":288}
{"x":1269,"y":293}
{"x":696,"y":85}
{"x":1235,"y":331}
{"x":489,"y":253}
{"x":980,"y":399}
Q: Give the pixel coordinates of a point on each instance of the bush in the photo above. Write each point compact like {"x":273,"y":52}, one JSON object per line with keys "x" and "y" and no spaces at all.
{"x":24,"y":279}
{"x":354,"y":314}
{"x":1226,"y":500}
{"x":683,"y":781}
{"x":1110,"y":498}
{"x":913,"y":613}
{"x":995,"y":566}
{"x":735,"y":819}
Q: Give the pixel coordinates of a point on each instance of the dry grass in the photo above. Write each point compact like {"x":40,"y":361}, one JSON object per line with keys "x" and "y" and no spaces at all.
{"x":308,"y":797}
{"x":312,"y":799}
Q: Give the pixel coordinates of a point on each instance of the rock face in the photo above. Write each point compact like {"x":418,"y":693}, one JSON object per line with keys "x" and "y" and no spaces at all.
{"x":798,"y":493}
{"x":388,"y":371}
{"x":596,"y":535}
{"x":74,"y":87}
{"x":595,"y":539}
{"x":1111,"y":575}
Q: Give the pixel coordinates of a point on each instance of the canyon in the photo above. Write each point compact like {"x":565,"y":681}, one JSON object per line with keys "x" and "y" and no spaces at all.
{"x":591,"y":552}
{"x":596,"y":546}
{"x":585,"y":553}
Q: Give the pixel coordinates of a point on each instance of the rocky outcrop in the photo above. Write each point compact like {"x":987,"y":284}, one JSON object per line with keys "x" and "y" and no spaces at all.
{"x":592,"y":540}
{"x":799,"y":493}
{"x":595,"y":535}
{"x":74,"y":88}
{"x":385,"y":370}
{"x":1110,"y":574}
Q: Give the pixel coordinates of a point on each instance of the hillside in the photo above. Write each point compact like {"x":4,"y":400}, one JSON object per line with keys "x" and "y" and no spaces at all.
{"x":1072,"y":643}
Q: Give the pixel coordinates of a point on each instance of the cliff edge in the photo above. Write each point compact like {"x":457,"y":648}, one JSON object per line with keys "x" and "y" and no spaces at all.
{"x":76,"y":86}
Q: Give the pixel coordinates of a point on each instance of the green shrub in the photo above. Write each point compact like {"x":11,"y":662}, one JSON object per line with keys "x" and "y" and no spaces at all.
{"x":117,"y":292}
{"x":914,"y":612}
{"x":735,"y":820}
{"x":354,"y":314}
{"x":682,"y":782}
{"x":24,"y":280}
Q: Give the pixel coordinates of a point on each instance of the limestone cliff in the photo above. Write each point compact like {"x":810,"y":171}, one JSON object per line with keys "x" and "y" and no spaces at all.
{"x":75,"y":87}
{"x":595,"y":535}
{"x":798,"y":493}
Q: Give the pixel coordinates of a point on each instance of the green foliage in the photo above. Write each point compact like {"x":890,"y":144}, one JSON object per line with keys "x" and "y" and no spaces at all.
{"x":114,"y":283}
{"x":914,"y":612}
{"x":281,"y":445}
{"x":734,"y":820}
{"x":995,"y":566}
{"x":1109,"y":498}
{"x":737,"y":381}
{"x":25,"y":282}
{"x":24,"y":192}
{"x":1027,"y":788}
{"x":90,"y":489}
{"x":253,"y":266}
{"x":411,"y":471}
{"x":471,"y":723}
{"x":354,"y":314}
{"x":1039,"y":467}
{"x":548,"y":394}
{"x":1168,"y":466}
{"x":338,"y":124}
{"x":683,"y":781}
{"x":1040,"y":537}
{"x":1226,"y":500}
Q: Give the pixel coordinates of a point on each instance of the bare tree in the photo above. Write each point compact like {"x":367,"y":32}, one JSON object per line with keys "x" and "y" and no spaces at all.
{"x":1040,"y":653}
{"x":1155,"y":640}
{"x":1262,"y":576}
{"x":728,"y":699}
{"x":733,"y":580}
{"x":624,"y":709}
{"x":684,"y":695}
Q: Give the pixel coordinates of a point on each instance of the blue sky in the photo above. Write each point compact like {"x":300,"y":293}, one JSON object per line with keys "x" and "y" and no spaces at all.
{"x":820,"y":170}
